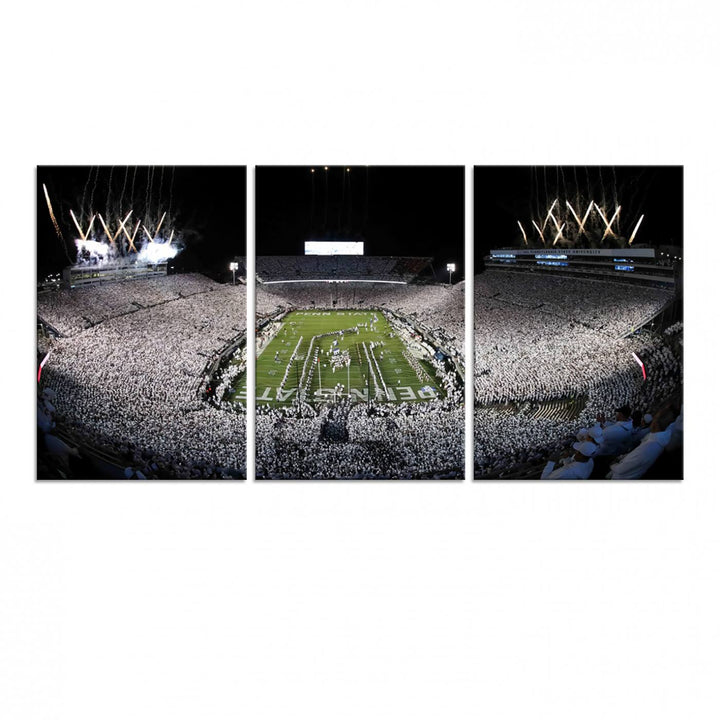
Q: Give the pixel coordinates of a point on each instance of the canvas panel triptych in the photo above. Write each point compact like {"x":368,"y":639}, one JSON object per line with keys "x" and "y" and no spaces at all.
{"x":357,"y":280}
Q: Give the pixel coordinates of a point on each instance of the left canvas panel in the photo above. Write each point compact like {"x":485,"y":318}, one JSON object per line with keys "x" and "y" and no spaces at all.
{"x":141,"y":323}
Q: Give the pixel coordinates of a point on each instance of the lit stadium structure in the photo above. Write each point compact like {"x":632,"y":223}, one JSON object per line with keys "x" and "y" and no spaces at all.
{"x":639,"y":265}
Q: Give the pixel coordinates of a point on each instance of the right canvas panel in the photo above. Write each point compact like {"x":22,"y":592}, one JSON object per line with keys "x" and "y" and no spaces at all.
{"x":578,"y":315}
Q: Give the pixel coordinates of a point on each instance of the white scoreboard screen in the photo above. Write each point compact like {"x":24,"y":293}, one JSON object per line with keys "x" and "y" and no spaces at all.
{"x":334,"y":247}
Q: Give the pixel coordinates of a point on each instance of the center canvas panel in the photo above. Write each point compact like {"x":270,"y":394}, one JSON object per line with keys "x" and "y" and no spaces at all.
{"x":360,"y":322}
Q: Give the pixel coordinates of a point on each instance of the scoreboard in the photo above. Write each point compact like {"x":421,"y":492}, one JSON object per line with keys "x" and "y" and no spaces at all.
{"x":334,"y":247}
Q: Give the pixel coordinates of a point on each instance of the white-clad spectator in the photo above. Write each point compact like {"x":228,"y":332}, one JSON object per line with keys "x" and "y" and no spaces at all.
{"x":636,"y":463}
{"x":617,"y":436}
{"x":640,"y":432}
{"x":580,"y":468}
{"x":595,"y":434}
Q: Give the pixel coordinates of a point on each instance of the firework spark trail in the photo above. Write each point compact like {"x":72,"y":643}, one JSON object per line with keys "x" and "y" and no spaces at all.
{"x":349,"y":199}
{"x":109,"y":192}
{"x":52,"y":214}
{"x":547,"y":217}
{"x":612,"y":219}
{"x":132,"y":187}
{"x":342,"y":204}
{"x":87,"y":182}
{"x":83,"y":235}
{"x":105,"y":227}
{"x":122,"y":192}
{"x":77,"y":224}
{"x":172,"y":182}
{"x":147,"y":194}
{"x":312,"y":197}
{"x":602,"y":188}
{"x":121,"y":228}
{"x":577,"y":186}
{"x":577,"y":219}
{"x":542,"y":237}
{"x":557,"y":180}
{"x":326,"y":197}
{"x":55,"y":224}
{"x":555,"y":221}
{"x":581,"y":223}
{"x":522,"y":230}
{"x":367,"y":194}
{"x":92,"y":193}
{"x":162,"y":174}
{"x":562,"y":176}
{"x":587,"y":180}
{"x":148,"y":214}
{"x":157,"y":229}
{"x":545,"y":186}
{"x":615,"y":197}
{"x":131,"y":240}
{"x":632,"y":237}
{"x":604,"y":217}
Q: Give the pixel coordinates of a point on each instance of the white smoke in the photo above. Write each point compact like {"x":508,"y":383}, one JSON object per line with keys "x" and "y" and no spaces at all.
{"x":157,"y":252}
{"x":92,"y":251}
{"x":152,"y":252}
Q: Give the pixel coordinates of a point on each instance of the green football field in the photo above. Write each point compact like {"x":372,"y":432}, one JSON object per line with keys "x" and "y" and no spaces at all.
{"x":303,"y":331}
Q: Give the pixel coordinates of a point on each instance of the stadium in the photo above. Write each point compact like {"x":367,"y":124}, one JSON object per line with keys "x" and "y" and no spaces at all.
{"x":360,"y":352}
{"x":136,"y":335}
{"x":578,"y":323}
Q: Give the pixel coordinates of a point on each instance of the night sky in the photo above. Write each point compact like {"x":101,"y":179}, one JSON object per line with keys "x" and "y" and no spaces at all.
{"x":404,"y":211}
{"x":504,"y":195}
{"x":208,"y":204}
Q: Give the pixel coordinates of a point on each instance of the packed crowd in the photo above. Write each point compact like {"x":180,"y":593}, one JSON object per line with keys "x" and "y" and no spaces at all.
{"x":332,"y":267}
{"x":538,"y":339}
{"x":132,"y":384}
{"x":71,"y":311}
{"x":405,"y":441}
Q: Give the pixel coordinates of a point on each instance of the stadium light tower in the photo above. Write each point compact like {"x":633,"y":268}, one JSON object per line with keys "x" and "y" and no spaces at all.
{"x":234,"y":266}
{"x":451,"y":270}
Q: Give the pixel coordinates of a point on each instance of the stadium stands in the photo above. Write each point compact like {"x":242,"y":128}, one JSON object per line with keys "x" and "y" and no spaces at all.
{"x":545,"y":346}
{"x":338,"y":267}
{"x":130,"y":385}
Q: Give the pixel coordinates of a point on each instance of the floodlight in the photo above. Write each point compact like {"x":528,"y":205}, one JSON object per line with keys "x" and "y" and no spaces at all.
{"x":451,"y":270}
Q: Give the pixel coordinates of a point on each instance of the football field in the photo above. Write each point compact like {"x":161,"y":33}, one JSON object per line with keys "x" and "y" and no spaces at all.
{"x":323,"y":355}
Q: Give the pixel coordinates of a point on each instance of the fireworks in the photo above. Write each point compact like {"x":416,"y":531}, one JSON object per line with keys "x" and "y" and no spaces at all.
{"x":569,"y":227}
{"x":632,"y":237}
{"x":542,"y":237}
{"x":115,"y":241}
{"x":522,"y":230}
{"x":52,"y":214}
